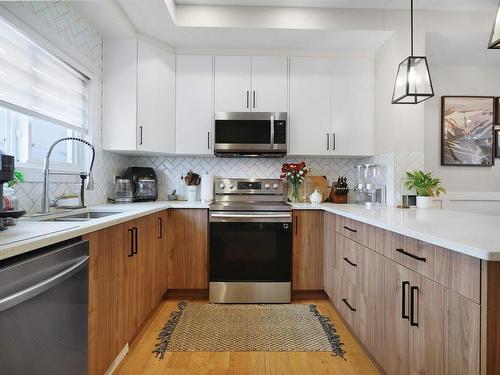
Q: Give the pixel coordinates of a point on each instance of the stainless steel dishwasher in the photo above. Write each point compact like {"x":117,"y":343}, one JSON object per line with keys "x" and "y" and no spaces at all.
{"x":44,"y":311}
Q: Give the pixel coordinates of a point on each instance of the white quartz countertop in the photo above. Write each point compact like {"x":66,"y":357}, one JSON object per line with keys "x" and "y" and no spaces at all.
{"x":30,"y":235}
{"x":471,"y":234}
{"x":467,"y":233}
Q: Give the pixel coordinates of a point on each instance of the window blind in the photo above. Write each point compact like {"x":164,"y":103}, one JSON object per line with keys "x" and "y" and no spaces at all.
{"x":33,"y":81}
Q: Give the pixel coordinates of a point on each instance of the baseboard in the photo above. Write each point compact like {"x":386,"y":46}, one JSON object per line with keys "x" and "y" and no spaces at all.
{"x":119,"y":358}
{"x":309,"y":294}
{"x":176,"y":294}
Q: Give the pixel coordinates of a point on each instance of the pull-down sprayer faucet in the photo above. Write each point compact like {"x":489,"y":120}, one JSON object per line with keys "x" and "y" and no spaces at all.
{"x":83,"y":175}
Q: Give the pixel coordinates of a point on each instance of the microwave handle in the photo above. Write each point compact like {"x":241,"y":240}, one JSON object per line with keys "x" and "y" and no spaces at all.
{"x":272,"y":131}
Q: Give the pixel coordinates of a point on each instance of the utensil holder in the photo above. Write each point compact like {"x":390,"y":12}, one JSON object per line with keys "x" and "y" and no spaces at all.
{"x":192,"y":191}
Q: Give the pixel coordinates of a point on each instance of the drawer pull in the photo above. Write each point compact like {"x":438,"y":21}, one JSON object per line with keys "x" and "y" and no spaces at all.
{"x":350,"y":229}
{"x":411,"y":255}
{"x":404,"y":314}
{"x":347,"y":304}
{"x":351,"y":263}
{"x":413,"y":322}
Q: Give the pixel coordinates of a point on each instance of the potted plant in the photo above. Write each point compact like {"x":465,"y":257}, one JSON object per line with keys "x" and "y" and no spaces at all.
{"x":426,"y":186}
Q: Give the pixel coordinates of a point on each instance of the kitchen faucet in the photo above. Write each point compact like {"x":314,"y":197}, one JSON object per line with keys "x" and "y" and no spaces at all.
{"x":83,"y":175}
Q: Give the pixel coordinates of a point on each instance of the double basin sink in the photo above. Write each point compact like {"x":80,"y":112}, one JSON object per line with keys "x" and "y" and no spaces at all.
{"x":78,"y":216}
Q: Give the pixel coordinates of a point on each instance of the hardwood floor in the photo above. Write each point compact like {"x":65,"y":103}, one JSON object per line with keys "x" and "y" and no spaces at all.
{"x":140,"y":360}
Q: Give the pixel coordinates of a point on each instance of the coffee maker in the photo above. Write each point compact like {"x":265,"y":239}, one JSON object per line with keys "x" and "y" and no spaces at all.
{"x":7,"y":168}
{"x":144,"y":183}
{"x":370,"y":185}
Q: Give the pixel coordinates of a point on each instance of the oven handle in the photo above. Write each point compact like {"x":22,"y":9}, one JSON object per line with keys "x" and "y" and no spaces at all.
{"x":252,"y":217}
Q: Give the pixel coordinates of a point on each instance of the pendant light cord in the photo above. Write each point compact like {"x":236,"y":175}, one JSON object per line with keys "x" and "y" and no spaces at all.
{"x":411,"y":28}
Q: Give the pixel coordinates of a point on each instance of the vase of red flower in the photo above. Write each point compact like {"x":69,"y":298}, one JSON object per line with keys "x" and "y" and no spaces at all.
{"x":294,"y":174}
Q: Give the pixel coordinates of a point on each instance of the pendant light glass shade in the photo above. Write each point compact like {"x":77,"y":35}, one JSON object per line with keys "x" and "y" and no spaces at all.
{"x":413,"y":82}
{"x":495,"y":32}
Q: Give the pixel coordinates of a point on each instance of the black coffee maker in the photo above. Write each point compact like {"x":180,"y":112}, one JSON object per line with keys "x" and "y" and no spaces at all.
{"x":7,"y":167}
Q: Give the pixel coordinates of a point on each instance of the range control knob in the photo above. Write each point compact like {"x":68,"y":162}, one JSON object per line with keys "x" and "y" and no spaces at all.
{"x":221,"y":185}
{"x":267,"y":185}
{"x":231,"y":186}
{"x":275,"y":186}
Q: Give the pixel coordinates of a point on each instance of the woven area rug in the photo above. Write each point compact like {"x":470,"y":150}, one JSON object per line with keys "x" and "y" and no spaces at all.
{"x":201,"y":327}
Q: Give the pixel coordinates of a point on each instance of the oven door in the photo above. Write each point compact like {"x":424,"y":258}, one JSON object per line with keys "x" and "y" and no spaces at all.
{"x":250,"y":133}
{"x":250,"y":246}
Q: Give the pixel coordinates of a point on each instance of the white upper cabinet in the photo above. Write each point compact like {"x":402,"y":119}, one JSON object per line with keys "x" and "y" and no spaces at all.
{"x":244,"y":84}
{"x":138,"y":97}
{"x":155,"y":99}
{"x":194,"y":105}
{"x":309,"y":120}
{"x":269,"y":84}
{"x":352,"y":107}
{"x":232,"y":83}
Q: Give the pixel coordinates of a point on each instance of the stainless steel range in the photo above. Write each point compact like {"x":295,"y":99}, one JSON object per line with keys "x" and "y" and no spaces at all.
{"x":250,"y":242}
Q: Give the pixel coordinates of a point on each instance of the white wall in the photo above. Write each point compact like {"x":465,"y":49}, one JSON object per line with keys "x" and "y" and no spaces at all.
{"x":459,"y":80}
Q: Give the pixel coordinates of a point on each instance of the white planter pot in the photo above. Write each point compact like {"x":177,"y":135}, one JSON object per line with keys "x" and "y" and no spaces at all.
{"x":425,"y":202}
{"x":192,"y":192}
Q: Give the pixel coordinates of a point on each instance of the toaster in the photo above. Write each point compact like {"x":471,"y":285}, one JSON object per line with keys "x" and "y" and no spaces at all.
{"x":144,"y":183}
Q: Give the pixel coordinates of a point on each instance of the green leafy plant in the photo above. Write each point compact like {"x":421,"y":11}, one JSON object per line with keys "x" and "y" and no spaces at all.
{"x":424,"y":183}
{"x":18,"y":177}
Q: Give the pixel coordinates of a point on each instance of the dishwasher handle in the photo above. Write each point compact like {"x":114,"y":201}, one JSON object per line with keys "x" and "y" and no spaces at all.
{"x":42,"y":286}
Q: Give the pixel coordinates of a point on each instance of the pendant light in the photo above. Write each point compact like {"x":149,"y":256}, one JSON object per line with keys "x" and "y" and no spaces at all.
{"x":413,"y":80}
{"x":495,"y":32}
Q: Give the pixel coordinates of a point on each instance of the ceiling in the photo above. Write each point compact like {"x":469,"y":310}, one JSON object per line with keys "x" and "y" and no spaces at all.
{"x":371,"y":4}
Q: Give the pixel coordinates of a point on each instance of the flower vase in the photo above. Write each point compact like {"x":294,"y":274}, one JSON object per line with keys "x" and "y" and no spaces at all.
{"x":295,"y":192}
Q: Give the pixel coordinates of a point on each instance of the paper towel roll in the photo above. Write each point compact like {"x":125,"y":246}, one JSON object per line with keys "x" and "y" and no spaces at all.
{"x":207,"y":188}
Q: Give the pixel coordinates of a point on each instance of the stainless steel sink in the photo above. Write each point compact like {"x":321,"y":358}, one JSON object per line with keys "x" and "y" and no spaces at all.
{"x":83,"y":216}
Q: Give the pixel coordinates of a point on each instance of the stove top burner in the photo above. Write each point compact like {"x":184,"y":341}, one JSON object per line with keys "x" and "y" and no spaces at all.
{"x":239,"y":194}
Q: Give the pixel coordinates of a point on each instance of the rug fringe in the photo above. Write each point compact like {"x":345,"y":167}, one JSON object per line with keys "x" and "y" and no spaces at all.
{"x":330,"y":332}
{"x":167,"y":330}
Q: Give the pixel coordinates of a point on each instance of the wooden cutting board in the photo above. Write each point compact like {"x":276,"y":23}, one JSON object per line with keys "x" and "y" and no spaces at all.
{"x":318,"y":182}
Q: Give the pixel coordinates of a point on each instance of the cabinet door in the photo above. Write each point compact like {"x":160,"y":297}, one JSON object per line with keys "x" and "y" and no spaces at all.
{"x":462,"y":320}
{"x":188,"y":243}
{"x":194,"y":105}
{"x":119,"y":94}
{"x":330,"y":243}
{"x":155,"y":99}
{"x":426,"y":326}
{"x":310,"y":106}
{"x":396,"y":319}
{"x":161,"y":256}
{"x":352,"y":107}
{"x":269,"y":84}
{"x":232,"y":83}
{"x":308,"y":250}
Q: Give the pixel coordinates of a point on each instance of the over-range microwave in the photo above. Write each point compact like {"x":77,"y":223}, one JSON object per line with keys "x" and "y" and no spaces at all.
{"x":250,"y":134}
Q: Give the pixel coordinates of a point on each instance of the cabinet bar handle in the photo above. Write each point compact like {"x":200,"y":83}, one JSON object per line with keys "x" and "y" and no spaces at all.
{"x":404,"y":315}
{"x":131,"y":231}
{"x":208,"y":141}
{"x":334,"y":141}
{"x":327,"y":141}
{"x":254,"y":98}
{"x":135,"y":240}
{"x":411,"y":255}
{"x":248,"y":99}
{"x":350,"y":229}
{"x":140,"y":135}
{"x":413,"y":322}
{"x":348,"y":305}
{"x":351,"y":263}
{"x":160,"y":227}
{"x":296,"y":225}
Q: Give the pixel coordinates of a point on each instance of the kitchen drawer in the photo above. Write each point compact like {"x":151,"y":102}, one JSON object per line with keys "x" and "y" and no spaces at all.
{"x":348,"y":254}
{"x":458,"y":272}
{"x":357,"y":231}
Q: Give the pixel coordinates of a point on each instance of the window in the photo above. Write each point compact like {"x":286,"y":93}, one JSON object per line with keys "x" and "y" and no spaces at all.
{"x":42,"y":99}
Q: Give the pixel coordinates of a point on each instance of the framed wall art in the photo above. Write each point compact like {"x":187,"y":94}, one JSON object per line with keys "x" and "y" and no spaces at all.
{"x":497,"y":143}
{"x":467,"y":130}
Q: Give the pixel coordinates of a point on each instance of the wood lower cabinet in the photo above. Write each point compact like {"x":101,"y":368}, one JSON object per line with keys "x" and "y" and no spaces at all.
{"x":188,"y":248}
{"x":124,"y":285}
{"x":330,"y":235}
{"x":308,"y":252}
